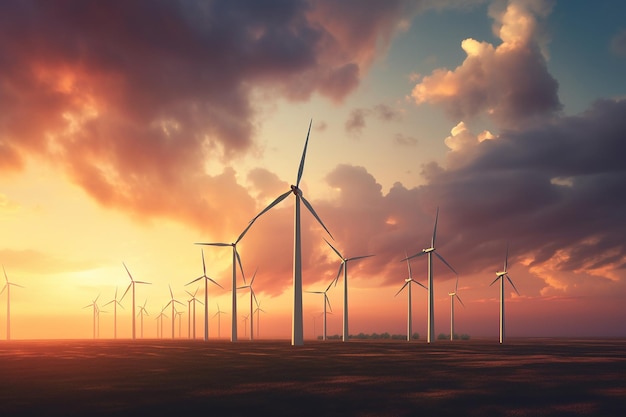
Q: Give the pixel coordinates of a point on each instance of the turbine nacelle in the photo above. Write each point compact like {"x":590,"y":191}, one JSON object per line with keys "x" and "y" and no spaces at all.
{"x":500,"y":273}
{"x":428,"y":250}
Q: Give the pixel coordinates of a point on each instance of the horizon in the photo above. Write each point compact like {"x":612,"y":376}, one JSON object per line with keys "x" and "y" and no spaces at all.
{"x":127,"y":137}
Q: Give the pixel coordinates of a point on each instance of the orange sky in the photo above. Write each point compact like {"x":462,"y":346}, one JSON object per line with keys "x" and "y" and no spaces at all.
{"x":128,"y":133}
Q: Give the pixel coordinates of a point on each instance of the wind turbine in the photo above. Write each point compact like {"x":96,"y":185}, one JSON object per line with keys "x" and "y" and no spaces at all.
{"x":500,"y":276}
{"x":431,"y":298}
{"x":452,"y":295}
{"x":115,"y":304}
{"x":95,"y":313}
{"x":258,"y":312}
{"x":326,"y":302}
{"x":159,"y":320}
{"x":132,"y":284}
{"x":297,"y":334}
{"x":206,"y":296}
{"x":236,"y":260}
{"x":173,"y":302}
{"x":218,"y":320}
{"x":142,"y":311}
{"x":180,"y":315}
{"x":7,"y":287}
{"x":252,"y":296}
{"x":407,"y":283}
{"x":245,"y":324}
{"x":344,"y":266}
{"x":194,"y":299}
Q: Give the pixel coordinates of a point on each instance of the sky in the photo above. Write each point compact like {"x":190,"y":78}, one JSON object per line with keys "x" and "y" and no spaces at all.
{"x":129,"y":131}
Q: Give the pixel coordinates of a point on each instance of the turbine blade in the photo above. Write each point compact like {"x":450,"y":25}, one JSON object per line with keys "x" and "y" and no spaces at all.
{"x":414,"y":256}
{"x":420,"y":284}
{"x":432,"y":242}
{"x":328,"y":288}
{"x":400,"y":290}
{"x":203,"y":263}
{"x":506,"y":258}
{"x":494,"y":281}
{"x":456,"y":286}
{"x":460,"y":301}
{"x":509,"y":278}
{"x":253,"y":276}
{"x":129,"y":275}
{"x":197,"y":279}
{"x":272,"y":204}
{"x":408,"y":264}
{"x":171,"y":293}
{"x":240,"y":265}
{"x":127,"y":288}
{"x":358,"y":257}
{"x":213,"y":244}
{"x":215,"y":282}
{"x":310,"y":207}
{"x":4,"y":288}
{"x":445,"y":262}
{"x":142,"y":282}
{"x":335,"y":250}
{"x":338,"y":273}
{"x":250,"y":223}
{"x":328,"y":301}
{"x":301,"y":168}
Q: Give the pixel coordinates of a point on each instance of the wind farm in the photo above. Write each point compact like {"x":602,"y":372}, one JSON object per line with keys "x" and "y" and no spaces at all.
{"x":441,"y":136}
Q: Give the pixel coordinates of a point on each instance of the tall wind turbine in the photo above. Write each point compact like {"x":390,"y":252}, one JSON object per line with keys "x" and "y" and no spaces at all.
{"x":219,"y":312}
{"x":407,"y":283}
{"x":132,"y":284}
{"x":252,"y":296}
{"x":344,"y":266}
{"x":431,"y":298}
{"x":115,"y":302}
{"x":500,"y":276}
{"x":297,"y":334}
{"x":206,"y":296}
{"x":95,"y":313}
{"x":142,"y":311}
{"x":173,"y":302}
{"x":326,"y":302}
{"x":194,"y":300}
{"x":454,"y":294}
{"x":7,"y":287}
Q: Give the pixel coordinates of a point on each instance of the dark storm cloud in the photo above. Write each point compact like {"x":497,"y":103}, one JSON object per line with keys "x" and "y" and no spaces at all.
{"x":133,"y":99}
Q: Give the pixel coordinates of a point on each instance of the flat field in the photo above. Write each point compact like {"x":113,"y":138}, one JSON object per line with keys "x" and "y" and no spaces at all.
{"x":525,"y":377}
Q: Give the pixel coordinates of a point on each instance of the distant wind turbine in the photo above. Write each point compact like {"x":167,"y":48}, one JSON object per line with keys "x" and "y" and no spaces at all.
{"x":500,"y":276}
{"x":115,"y":304}
{"x":159,"y":320}
{"x":452,"y":295}
{"x":194,"y":300}
{"x":173,"y":302}
{"x":7,"y":287}
{"x":252,"y":296}
{"x":297,"y":334}
{"x":344,"y":266}
{"x":94,"y":305}
{"x":219,"y":312}
{"x":407,"y":283}
{"x":179,"y":314}
{"x":132,"y":284}
{"x":431,"y":296}
{"x":206,"y":296}
{"x":245,"y":322}
{"x":326,"y":301}
{"x":258,"y":312}
{"x":142,"y":311}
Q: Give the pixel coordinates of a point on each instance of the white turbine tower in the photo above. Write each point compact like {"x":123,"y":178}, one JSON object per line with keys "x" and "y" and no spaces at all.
{"x":297,"y":333}
{"x":326,"y":303}
{"x":500,"y":276}
{"x":219,"y":312}
{"x":7,"y":287}
{"x":431,"y":298}
{"x":115,"y":303}
{"x":173,"y":302}
{"x":206,"y":293}
{"x":407,"y":283}
{"x":236,"y":260}
{"x":142,"y":311}
{"x":132,"y":284}
{"x":454,"y":294}
{"x":258,"y":312}
{"x":252,"y":296}
{"x":344,"y":266}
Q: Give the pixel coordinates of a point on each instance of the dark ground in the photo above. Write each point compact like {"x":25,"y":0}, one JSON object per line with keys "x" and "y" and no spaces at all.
{"x":525,"y":377}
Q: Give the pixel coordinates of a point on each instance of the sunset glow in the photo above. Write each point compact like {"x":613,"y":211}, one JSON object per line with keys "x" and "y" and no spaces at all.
{"x":130,"y":134}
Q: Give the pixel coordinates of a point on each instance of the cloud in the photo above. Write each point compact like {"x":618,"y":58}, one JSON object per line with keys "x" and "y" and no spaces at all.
{"x":133,"y":100}
{"x":509,"y":82}
{"x":404,"y":140}
{"x":356,"y":121}
{"x":618,"y":44}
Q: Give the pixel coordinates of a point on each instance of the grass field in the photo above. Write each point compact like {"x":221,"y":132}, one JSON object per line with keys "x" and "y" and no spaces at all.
{"x":525,"y":377}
